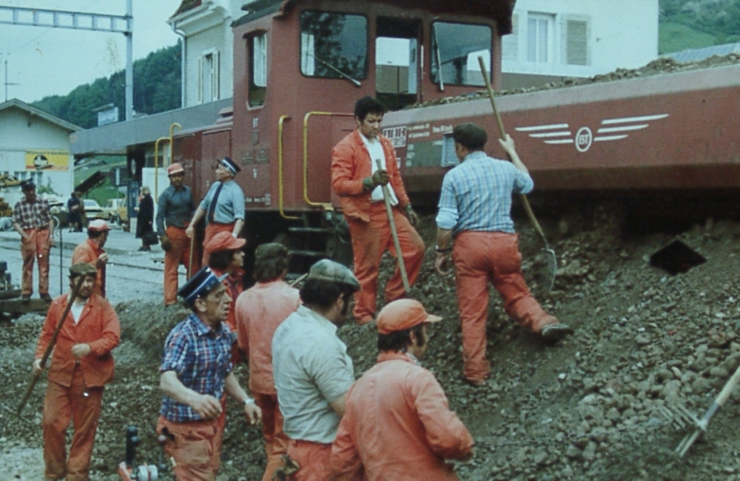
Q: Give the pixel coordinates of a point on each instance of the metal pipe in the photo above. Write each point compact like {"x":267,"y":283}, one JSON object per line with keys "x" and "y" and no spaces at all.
{"x":281,"y":189}
{"x":130,"y":60}
{"x":156,"y":167}
{"x":172,"y":127}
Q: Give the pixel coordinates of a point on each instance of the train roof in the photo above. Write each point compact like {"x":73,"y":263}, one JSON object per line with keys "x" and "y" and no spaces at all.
{"x":498,"y":10}
{"x":660,"y":66}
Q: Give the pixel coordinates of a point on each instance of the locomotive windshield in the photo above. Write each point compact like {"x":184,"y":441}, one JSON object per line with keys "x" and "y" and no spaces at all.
{"x":333,"y":45}
{"x":456,"y":47}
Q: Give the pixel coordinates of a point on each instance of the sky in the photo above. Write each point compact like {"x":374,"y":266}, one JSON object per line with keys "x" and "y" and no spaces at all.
{"x":46,"y":61}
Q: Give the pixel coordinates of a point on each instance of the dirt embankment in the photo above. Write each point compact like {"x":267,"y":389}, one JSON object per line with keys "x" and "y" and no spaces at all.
{"x":586,"y":409}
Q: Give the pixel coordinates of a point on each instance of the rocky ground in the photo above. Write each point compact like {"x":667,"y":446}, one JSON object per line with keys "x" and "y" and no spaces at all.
{"x":588,"y":408}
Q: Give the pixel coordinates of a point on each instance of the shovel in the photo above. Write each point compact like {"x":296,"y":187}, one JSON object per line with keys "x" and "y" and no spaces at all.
{"x":394,"y":233}
{"x":552,"y":261}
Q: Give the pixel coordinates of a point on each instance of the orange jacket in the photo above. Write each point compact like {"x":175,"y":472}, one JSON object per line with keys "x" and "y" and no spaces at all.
{"x":259,"y":312}
{"x":98,"y":327}
{"x":88,"y":251}
{"x":398,"y":425}
{"x":350,"y":164}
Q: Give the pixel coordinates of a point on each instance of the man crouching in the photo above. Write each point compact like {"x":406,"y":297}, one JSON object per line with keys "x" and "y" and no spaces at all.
{"x":196,"y":374}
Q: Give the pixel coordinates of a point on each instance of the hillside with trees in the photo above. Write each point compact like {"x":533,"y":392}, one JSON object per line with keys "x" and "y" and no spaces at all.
{"x":698,"y":23}
{"x":157,"y":85}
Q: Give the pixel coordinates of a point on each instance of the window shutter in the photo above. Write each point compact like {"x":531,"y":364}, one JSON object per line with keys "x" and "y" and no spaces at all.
{"x":577,"y":42}
{"x":200,"y":80}
{"x":510,"y":43}
{"x":216,"y":76}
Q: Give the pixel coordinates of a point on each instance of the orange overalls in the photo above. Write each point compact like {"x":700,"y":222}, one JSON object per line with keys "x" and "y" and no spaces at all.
{"x":178,"y":254}
{"x":369,"y":225}
{"x":88,"y":251}
{"x":36,"y":247}
{"x":75,"y":387}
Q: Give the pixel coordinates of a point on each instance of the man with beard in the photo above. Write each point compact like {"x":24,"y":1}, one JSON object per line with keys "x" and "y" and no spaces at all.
{"x":81,"y":366}
{"x":196,"y":375}
{"x":91,"y":251}
{"x":312,"y":370}
{"x":398,"y":424}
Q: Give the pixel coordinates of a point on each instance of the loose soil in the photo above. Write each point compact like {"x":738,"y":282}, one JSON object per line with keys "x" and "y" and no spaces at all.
{"x":587,"y":408}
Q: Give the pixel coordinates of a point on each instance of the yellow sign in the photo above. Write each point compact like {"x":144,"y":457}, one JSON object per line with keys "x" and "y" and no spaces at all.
{"x":47,"y":160}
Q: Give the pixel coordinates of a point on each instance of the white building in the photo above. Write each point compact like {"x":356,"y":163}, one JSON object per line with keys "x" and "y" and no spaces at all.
{"x":35,"y":145}
{"x":207,"y":48}
{"x":577,"y":38}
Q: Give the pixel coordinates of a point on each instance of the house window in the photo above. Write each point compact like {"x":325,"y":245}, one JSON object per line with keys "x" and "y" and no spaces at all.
{"x":540,"y":29}
{"x":257,"y":70}
{"x":209,"y":72}
{"x":333,"y":45}
{"x":455,"y":51}
{"x":576,"y":41}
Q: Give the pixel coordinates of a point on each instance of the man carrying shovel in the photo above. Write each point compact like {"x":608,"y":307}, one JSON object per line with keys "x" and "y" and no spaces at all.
{"x":81,"y":365}
{"x":475,"y":208}
{"x":358,"y":181}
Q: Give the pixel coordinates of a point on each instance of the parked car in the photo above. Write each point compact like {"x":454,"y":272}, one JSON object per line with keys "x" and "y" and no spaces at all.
{"x":57,"y":208}
{"x":93,"y":209}
{"x":115,"y":210}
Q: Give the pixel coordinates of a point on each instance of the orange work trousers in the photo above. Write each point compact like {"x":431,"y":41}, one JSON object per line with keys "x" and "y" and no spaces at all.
{"x":369,"y":241}
{"x":313,"y":459}
{"x":480,"y":258}
{"x":82,"y":405}
{"x":276,"y":441}
{"x":211,"y":230}
{"x":178,"y":254}
{"x":193,"y":449}
{"x":36,"y":247}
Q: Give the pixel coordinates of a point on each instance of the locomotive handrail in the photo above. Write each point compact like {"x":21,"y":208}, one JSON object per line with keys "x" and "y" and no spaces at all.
{"x":156,"y":163}
{"x":325,"y":205}
{"x":281,"y":124}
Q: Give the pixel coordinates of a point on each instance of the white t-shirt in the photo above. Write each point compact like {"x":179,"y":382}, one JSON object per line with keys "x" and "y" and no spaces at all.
{"x":375,"y":148}
{"x":76,"y":310}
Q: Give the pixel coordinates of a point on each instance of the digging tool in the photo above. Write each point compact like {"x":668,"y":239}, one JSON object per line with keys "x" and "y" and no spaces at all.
{"x":701,"y":424}
{"x":50,"y":347}
{"x":298,"y":281}
{"x":552,"y":261}
{"x":190,"y":261}
{"x":394,"y":232}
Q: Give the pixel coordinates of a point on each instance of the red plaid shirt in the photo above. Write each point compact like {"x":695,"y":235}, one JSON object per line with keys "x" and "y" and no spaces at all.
{"x":32,"y":215}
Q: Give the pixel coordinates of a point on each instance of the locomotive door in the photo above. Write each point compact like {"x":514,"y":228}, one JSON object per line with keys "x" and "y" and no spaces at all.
{"x":397,"y":61}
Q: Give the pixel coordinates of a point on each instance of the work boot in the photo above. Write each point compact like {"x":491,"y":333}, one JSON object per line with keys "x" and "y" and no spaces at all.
{"x":46,"y":297}
{"x":26,"y":298}
{"x":555,"y":332}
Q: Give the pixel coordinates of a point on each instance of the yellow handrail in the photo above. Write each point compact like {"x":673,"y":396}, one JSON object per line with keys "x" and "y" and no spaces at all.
{"x":172,"y":127}
{"x":324,"y":205}
{"x":156,"y":167}
{"x":281,"y":123}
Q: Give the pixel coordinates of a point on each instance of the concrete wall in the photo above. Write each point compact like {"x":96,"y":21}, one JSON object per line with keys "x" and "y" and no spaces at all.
{"x":620,"y":34}
{"x":20,"y":131}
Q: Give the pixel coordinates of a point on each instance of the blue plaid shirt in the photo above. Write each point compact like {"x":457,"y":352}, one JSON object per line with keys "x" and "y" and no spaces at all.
{"x":201,"y":358}
{"x":476,"y":195}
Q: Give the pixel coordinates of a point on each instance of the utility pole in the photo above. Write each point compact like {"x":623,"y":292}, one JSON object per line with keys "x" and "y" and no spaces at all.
{"x":6,"y":81}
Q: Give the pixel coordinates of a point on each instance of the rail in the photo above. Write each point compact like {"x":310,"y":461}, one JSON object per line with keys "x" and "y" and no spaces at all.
{"x":281,"y":187}
{"x":324,"y":205}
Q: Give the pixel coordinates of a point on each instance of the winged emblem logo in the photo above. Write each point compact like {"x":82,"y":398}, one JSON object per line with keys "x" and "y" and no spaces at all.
{"x":610,"y":129}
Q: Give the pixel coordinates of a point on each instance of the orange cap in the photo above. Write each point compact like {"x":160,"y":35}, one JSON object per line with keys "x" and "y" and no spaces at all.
{"x":175,"y":169}
{"x":98,"y":225}
{"x":224,"y":241}
{"x":403,"y":314}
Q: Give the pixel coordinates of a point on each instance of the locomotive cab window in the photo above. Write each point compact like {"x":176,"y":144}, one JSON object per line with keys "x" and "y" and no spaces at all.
{"x":455,"y":51}
{"x":397,"y":61}
{"x":257,"y":47}
{"x":333,"y":45}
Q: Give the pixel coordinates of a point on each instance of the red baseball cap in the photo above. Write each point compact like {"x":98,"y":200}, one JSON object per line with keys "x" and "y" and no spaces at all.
{"x":224,"y":241}
{"x":403,"y":314}
{"x":175,"y":169}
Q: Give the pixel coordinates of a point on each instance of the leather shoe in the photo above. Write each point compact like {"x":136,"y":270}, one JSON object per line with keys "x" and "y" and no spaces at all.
{"x":46,"y":297}
{"x":26,"y":298}
{"x":555,"y":332}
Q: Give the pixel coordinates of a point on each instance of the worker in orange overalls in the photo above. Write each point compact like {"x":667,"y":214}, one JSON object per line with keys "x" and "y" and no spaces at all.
{"x":357,"y":180}
{"x":32,"y":220}
{"x":91,"y":251}
{"x":259,"y":312}
{"x":223,"y":205}
{"x":81,"y":366}
{"x":175,"y":208}
{"x":397,"y":423}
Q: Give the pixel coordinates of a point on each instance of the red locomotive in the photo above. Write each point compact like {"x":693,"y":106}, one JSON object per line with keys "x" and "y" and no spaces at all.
{"x":300,"y":65}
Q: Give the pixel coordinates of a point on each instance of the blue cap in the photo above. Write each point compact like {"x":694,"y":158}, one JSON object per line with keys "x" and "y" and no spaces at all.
{"x":230,"y":165}
{"x":27,"y":184}
{"x":203,"y":282}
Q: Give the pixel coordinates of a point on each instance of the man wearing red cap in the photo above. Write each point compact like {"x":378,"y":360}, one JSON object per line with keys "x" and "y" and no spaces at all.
{"x":223,"y":205}
{"x":397,"y":423}
{"x":357,"y":180}
{"x":81,"y":365}
{"x":91,"y":251}
{"x":259,"y":312}
{"x":32,"y":220}
{"x":175,"y":208}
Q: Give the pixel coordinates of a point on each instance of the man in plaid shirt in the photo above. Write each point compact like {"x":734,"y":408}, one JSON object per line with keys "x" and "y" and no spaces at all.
{"x":475,"y":208}
{"x":196,"y":374}
{"x":32,"y":220}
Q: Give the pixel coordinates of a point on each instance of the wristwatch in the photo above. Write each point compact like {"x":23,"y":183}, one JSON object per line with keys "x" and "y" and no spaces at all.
{"x":441,"y":251}
{"x":249,"y":400}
